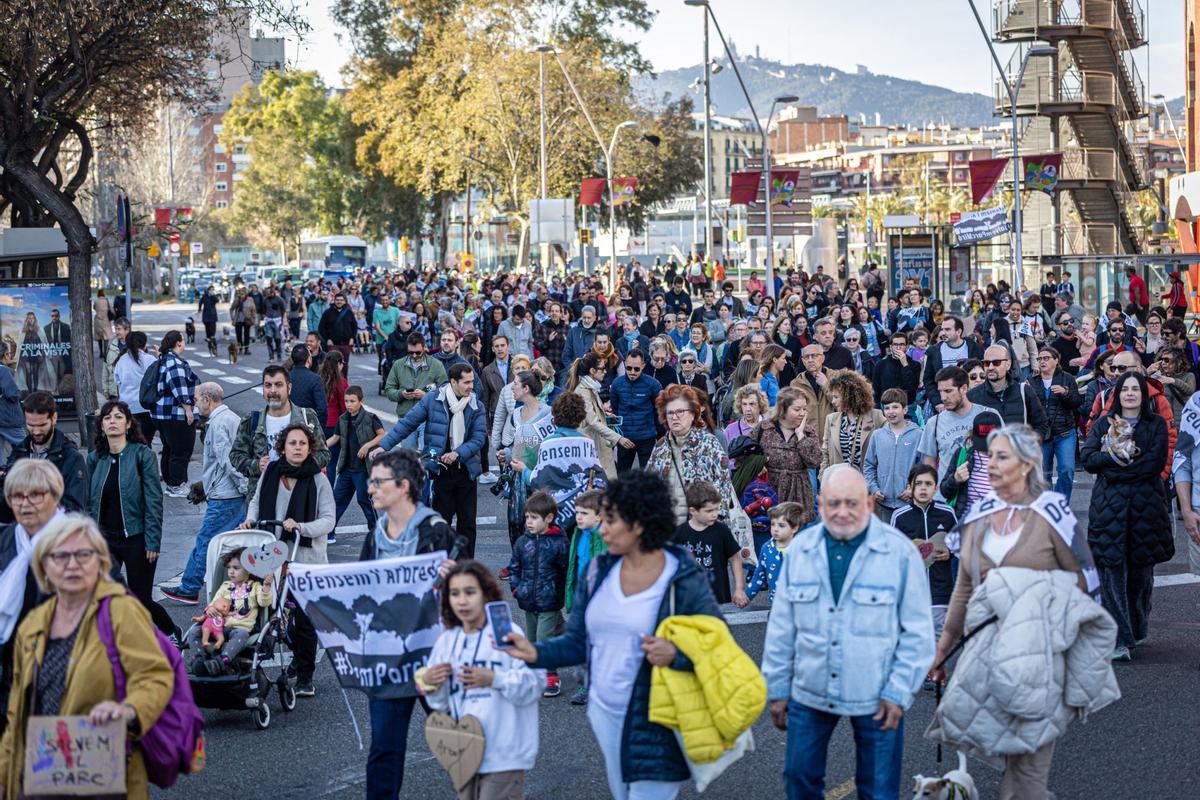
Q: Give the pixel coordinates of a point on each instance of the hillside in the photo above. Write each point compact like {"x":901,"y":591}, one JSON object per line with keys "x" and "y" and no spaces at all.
{"x":831,"y":90}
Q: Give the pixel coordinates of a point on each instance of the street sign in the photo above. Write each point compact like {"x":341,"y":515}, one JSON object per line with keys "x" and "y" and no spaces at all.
{"x":175,"y":247}
{"x":153,"y":251}
{"x":468,"y":262}
{"x":901,"y":221}
{"x":197,"y":247}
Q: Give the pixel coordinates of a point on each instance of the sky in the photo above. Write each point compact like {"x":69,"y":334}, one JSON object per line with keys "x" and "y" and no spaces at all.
{"x":940,"y":45}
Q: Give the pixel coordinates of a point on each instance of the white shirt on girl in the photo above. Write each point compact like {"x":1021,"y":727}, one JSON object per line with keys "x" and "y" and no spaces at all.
{"x":507,"y":710}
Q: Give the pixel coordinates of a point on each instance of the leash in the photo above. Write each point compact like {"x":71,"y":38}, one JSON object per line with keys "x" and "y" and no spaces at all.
{"x":954,"y":650}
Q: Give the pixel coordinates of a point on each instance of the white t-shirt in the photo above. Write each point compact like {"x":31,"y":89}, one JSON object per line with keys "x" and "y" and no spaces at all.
{"x":996,"y":547}
{"x":273,"y":427}
{"x":616,"y":624}
{"x":953,"y":356}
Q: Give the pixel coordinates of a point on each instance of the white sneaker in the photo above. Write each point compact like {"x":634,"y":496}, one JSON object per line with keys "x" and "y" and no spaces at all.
{"x":176,"y":491}
{"x":488,"y":478}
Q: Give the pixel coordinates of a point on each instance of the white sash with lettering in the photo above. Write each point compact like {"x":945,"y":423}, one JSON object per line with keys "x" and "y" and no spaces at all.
{"x":1056,"y":510}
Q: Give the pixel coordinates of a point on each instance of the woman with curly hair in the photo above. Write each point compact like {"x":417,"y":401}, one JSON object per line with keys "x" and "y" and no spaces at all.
{"x":850,"y":424}
{"x":690,"y":451}
{"x":642,"y":579}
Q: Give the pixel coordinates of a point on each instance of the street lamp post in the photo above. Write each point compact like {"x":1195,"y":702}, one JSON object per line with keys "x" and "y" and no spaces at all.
{"x":543,"y":251}
{"x":608,"y":157}
{"x":1013,"y":89}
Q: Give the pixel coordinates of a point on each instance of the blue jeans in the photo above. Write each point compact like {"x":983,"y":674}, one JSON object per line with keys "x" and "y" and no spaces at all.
{"x":219,"y":516}
{"x":349,"y":484}
{"x":389,"y":742}
{"x":1061,"y":447}
{"x":877,"y":754}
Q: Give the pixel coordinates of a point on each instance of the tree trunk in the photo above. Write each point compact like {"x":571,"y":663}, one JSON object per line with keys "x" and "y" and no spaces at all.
{"x":443,"y":229}
{"x":79,"y":291}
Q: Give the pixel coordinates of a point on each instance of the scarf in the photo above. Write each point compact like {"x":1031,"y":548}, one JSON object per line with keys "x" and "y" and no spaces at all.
{"x":302,"y":505}
{"x":590,"y":383}
{"x":12,"y":581}
{"x":609,"y":354}
{"x":547,"y":388}
{"x":1056,"y":511}
{"x":458,"y":422}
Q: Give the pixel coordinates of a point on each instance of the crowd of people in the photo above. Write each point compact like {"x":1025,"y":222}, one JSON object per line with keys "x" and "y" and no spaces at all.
{"x":661,"y":450}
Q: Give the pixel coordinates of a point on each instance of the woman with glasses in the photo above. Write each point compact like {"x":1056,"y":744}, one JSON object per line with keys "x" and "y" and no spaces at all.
{"x":690,"y":451}
{"x":1059,"y":395}
{"x":689,"y":373}
{"x":33,"y":490}
{"x":61,"y":662}
{"x":1178,"y":382}
{"x":659,"y":367}
{"x":1129,"y":528}
{"x":587,"y":376}
{"x":976,"y":373}
{"x":125,"y":498}
{"x":1149,"y":343}
{"x":1106,"y":375}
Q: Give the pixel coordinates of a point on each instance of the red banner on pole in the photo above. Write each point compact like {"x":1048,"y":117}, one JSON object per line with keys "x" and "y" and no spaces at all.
{"x":591,"y":191}
{"x":1041,"y":172}
{"x":624,"y":191}
{"x":984,"y":174}
{"x":783,"y":186}
{"x":162,"y":218}
{"x":743,"y":188}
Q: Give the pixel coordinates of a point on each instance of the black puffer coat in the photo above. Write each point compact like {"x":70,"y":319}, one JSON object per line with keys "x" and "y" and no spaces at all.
{"x":1128,"y":520}
{"x":538,"y":570}
{"x":1061,"y":409}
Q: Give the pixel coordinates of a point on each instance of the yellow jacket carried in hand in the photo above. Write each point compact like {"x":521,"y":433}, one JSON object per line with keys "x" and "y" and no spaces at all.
{"x":715,"y":703}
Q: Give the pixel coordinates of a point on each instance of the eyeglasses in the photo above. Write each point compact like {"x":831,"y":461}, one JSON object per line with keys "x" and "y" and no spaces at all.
{"x":687,"y":361}
{"x":1045,"y":358}
{"x":1116,"y":331}
{"x":675,"y":413}
{"x":82,"y":557}
{"x":995,"y":362}
{"x":851,"y":339}
{"x":1066,"y":323}
{"x":33,"y":498}
{"x":1122,"y":368}
{"x":379,"y":482}
{"x":976,"y":376}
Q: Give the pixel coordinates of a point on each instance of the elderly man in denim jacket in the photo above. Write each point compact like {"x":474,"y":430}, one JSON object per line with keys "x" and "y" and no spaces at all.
{"x":850,"y":635}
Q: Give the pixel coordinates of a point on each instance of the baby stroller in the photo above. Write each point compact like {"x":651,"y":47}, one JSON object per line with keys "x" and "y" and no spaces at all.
{"x":262,"y":663}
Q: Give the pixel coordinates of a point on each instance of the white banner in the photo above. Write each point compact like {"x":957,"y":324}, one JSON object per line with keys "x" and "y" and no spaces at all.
{"x":976,"y":226}
{"x":377,"y":620}
{"x":566,"y":467}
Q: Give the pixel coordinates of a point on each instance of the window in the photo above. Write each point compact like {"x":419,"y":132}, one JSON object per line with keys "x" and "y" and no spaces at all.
{"x":218,"y":128}
{"x":221,"y":186}
{"x":218,"y":148}
{"x":222,"y":204}
{"x":239,"y":149}
{"x":221,"y":166}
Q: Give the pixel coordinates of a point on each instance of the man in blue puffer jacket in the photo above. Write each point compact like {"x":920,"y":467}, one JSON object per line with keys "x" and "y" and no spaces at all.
{"x":632,"y":397}
{"x":455,"y":434}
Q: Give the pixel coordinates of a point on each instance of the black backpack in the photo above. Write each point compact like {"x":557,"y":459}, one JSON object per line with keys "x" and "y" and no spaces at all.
{"x":148,"y":392}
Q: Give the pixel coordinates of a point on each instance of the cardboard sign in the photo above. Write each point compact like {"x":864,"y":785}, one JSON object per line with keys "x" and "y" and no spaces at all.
{"x":265,"y":559}
{"x":458,"y":746}
{"x":71,"y":756}
{"x":931,"y":546}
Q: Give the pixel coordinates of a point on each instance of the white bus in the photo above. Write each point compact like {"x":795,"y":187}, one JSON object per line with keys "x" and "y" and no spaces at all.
{"x":334,"y":253}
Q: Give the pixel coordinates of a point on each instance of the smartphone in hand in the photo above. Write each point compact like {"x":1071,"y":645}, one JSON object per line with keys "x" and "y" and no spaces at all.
{"x":500,"y":617}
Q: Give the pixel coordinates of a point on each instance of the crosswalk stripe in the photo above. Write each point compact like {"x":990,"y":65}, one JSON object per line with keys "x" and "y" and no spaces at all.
{"x":251,"y":370}
{"x":366,"y":367}
{"x":383,"y":415}
{"x":234,"y":379}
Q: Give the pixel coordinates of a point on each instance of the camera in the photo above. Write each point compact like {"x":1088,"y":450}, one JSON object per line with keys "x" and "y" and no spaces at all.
{"x":502,"y":488}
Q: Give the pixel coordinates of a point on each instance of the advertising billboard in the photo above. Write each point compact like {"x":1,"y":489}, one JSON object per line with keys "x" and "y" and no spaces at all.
{"x":911,"y":256}
{"x":35,"y":324}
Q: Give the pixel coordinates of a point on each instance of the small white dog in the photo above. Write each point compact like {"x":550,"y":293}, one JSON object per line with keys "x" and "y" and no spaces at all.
{"x":956,"y":784}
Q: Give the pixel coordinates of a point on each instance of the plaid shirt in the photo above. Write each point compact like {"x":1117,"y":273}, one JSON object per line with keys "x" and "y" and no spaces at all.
{"x":176,"y":388}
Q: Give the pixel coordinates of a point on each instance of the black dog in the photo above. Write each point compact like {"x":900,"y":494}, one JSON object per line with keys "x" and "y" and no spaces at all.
{"x":190,"y":329}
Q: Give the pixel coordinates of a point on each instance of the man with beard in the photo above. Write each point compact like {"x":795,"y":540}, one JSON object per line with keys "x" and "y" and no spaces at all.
{"x":551,"y":335}
{"x":254,"y":445}
{"x":45,"y":441}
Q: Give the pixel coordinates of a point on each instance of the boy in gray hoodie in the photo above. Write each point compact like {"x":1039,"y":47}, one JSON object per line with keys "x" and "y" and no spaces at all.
{"x":891,"y":453}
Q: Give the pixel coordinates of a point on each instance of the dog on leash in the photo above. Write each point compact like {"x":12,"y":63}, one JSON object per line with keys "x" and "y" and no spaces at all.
{"x":190,"y":329}
{"x":233,"y":352}
{"x":957,"y":784}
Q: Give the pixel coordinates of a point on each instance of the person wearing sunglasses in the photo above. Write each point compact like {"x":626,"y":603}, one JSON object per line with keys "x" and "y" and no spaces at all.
{"x":1015,"y":402}
{"x":1066,"y":342}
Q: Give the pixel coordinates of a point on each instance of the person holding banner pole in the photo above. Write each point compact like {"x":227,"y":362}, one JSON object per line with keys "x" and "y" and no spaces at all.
{"x":292,"y":488}
{"x":405,"y":527}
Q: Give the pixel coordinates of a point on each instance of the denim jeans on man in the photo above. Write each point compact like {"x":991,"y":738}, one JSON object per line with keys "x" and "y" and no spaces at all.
{"x":219,"y":516}
{"x":389,"y":743}
{"x":877,"y":754}
{"x":1060,"y":448}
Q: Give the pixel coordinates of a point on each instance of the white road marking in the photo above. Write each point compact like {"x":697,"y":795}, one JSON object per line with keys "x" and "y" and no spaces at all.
{"x":235,"y":379}
{"x":383,"y":415}
{"x":746,"y":617}
{"x":251,"y":370}
{"x":366,"y":367}
{"x":1182,"y":579}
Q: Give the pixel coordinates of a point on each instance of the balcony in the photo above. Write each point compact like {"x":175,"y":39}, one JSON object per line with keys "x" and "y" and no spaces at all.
{"x":1073,"y":91}
{"x":1076,"y":239}
{"x":1014,"y":20}
{"x":1086,"y":165}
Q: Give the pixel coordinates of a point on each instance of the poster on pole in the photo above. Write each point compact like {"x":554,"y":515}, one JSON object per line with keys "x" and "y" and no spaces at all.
{"x":35,"y":324}
{"x":377,"y":620}
{"x":960,"y":270}
{"x":783,"y":186}
{"x":912,"y":256}
{"x":978,"y":226}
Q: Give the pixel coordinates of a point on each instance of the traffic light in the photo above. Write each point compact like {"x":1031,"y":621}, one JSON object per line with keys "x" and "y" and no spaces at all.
{"x":585,"y":236}
{"x":403,"y":244}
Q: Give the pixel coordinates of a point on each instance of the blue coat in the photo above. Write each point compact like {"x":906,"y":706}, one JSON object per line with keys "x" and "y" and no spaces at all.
{"x":649,"y":752}
{"x":633,"y":401}
{"x":538,"y":570}
{"x":309,"y":392}
{"x":433,"y":412}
